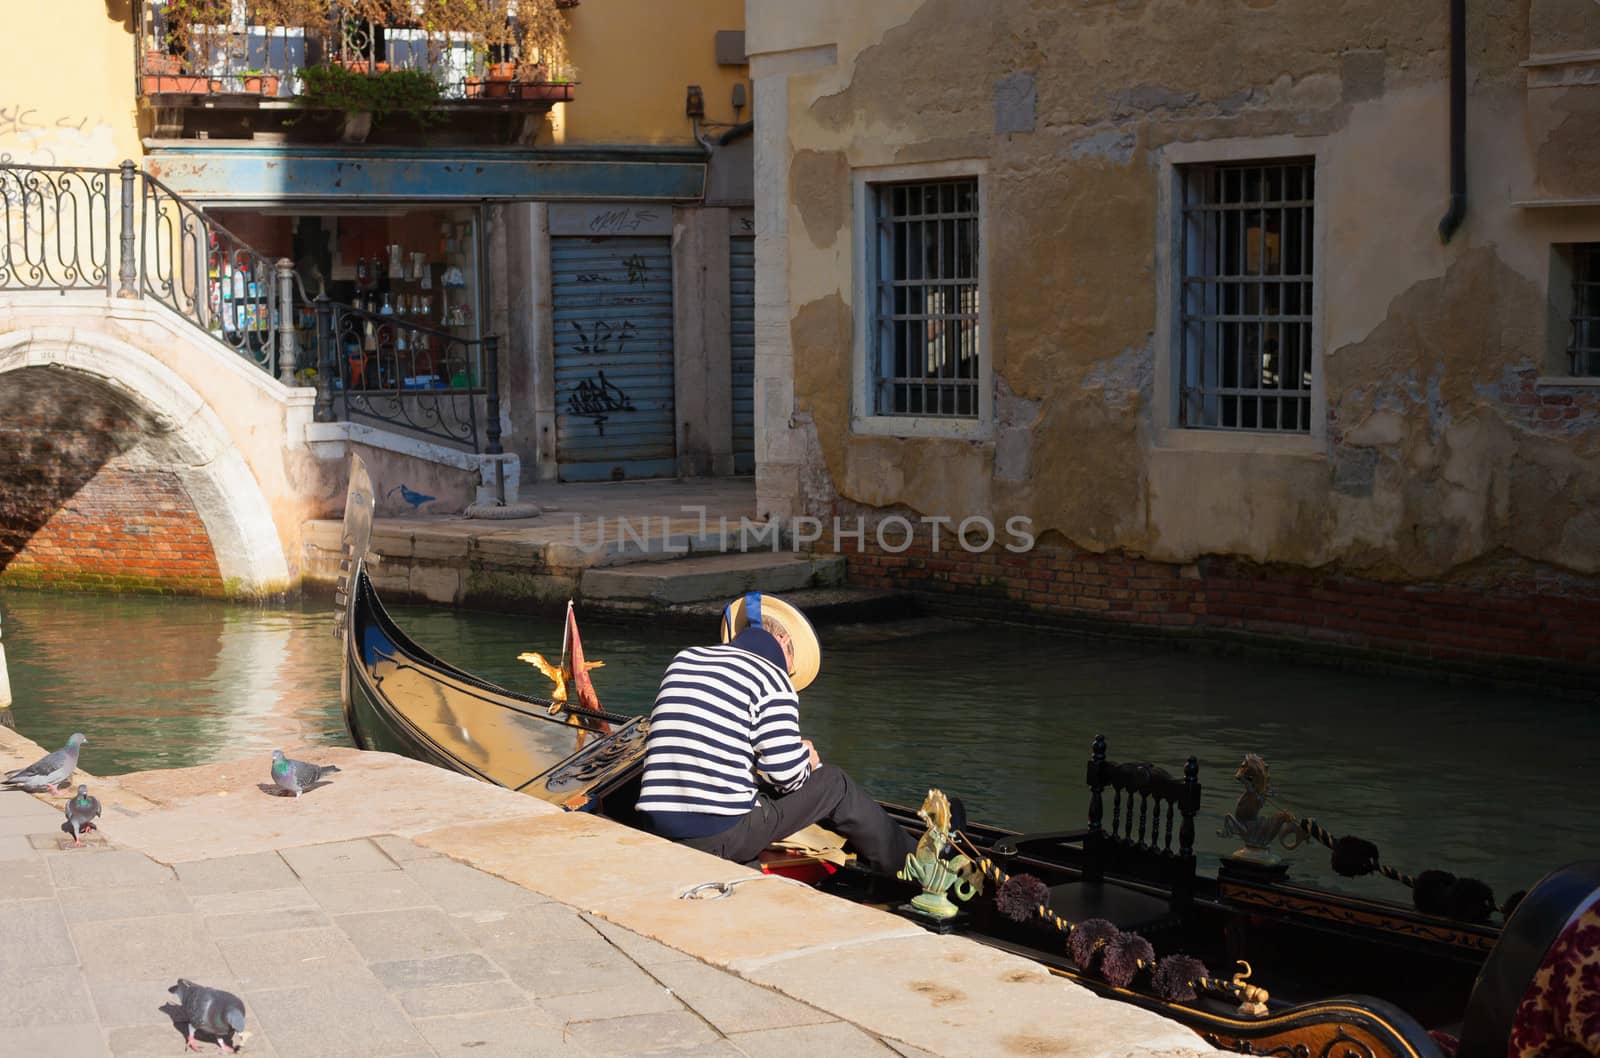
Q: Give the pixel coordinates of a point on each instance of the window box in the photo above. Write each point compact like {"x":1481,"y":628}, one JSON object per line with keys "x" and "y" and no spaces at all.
{"x":262,"y":84}
{"x":178,"y":84}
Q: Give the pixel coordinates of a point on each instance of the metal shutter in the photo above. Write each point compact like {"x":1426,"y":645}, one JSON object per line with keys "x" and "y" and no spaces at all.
{"x":742,"y":320}
{"x":612,"y":305}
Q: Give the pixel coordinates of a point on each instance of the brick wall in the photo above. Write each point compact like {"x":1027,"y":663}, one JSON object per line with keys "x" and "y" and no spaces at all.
{"x":1507,"y":618}
{"x":82,"y":502}
{"x":1550,"y":408}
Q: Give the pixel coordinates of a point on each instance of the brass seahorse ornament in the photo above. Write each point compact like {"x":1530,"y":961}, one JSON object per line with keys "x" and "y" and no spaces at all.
{"x":1246,"y":821}
{"x":937,"y":875}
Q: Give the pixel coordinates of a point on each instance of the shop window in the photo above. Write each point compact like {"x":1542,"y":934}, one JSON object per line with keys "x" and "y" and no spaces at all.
{"x":419,"y":267}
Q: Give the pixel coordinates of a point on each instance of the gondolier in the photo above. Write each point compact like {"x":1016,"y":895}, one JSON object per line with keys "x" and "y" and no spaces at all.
{"x":725,"y":768}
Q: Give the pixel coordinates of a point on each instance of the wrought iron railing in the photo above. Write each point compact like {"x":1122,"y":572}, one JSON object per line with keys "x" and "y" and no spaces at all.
{"x":60,"y":223}
{"x":396,"y":371}
{"x":57,"y":228}
{"x":226,"y":47}
{"x":209,"y":276}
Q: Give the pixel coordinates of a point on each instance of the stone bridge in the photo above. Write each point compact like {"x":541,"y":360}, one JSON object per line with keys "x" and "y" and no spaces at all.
{"x":137,"y":452}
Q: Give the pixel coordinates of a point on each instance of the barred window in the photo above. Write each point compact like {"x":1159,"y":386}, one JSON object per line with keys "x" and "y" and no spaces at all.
{"x":925,"y":343}
{"x":1245,"y":322}
{"x":1584,"y":348}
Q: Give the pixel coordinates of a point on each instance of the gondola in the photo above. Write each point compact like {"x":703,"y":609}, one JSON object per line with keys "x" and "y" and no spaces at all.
{"x":1345,"y":976}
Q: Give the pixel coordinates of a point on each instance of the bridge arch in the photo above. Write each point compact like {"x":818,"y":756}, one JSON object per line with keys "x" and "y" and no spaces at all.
{"x":133,"y":413}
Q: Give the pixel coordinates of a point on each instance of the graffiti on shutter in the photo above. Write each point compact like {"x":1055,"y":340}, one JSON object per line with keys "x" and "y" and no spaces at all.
{"x":612,"y":307}
{"x":742,"y":331}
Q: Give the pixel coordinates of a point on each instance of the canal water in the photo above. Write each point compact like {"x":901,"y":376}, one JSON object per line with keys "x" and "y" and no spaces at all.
{"x":1479,"y":782}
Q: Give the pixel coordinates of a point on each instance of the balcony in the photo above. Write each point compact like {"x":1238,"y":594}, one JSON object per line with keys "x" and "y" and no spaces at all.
{"x":435,"y":71}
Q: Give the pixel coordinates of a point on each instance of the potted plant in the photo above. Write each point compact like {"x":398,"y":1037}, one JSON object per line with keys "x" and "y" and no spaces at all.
{"x":365,"y":97}
{"x":161,"y":63}
{"x":497,"y":79}
{"x":259,"y":82}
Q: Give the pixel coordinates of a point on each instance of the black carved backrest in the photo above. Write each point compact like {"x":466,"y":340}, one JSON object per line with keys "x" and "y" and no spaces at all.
{"x":1141,"y":822}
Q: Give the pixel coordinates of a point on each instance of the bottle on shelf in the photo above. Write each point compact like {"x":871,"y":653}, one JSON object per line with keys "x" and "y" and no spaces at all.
{"x":228,"y":316}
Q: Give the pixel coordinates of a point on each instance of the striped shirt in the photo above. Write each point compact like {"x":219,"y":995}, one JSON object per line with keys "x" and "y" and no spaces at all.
{"x":724,"y":719}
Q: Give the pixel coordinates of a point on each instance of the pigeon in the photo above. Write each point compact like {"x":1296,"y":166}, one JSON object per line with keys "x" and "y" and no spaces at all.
{"x":50,"y":771}
{"x":411,"y":496}
{"x":82,"y":811}
{"x":294,"y":776}
{"x":212,"y":1011}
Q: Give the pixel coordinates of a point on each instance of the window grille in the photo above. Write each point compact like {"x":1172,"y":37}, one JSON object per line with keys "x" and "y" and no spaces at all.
{"x":925,"y":339}
{"x":1246,"y":296}
{"x":1585,"y":348}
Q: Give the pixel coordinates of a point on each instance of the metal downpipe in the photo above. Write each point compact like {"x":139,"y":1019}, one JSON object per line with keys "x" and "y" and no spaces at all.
{"x":1451,"y":221}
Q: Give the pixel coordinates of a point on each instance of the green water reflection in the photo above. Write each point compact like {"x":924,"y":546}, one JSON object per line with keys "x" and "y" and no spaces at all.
{"x":1471,"y":780}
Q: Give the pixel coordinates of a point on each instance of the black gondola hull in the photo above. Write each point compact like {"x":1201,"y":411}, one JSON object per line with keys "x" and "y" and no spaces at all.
{"x":429,"y":722}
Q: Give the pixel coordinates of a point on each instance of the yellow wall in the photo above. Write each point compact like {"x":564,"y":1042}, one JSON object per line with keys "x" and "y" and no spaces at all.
{"x":66,"y":83}
{"x":635,"y":58}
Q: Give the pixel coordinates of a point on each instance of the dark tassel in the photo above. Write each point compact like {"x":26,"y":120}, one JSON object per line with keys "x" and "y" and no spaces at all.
{"x":1087,"y":939}
{"x":1175,"y":977}
{"x":1124,"y":953}
{"x":1512,"y":901}
{"x":1470,"y":900}
{"x":1354,"y":857}
{"x":1019,"y":897}
{"x":1432,"y":892}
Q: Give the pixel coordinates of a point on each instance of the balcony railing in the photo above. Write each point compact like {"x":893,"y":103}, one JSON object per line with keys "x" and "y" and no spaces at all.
{"x":241,"y":57}
{"x":126,"y":234}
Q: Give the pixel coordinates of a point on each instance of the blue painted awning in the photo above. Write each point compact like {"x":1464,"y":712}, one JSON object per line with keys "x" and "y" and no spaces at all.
{"x":260,"y":174}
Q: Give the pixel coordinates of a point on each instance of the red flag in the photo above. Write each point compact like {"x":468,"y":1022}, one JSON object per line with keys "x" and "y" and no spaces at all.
{"x":580,"y":690}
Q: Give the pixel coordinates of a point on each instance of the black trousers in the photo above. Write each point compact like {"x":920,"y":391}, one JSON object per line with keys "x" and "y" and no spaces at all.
{"x":829,"y":797}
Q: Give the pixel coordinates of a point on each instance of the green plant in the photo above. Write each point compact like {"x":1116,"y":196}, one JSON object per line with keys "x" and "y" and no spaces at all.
{"x":275,"y":14}
{"x":189,"y":19}
{"x":413,"y":93}
{"x":543,"y":33}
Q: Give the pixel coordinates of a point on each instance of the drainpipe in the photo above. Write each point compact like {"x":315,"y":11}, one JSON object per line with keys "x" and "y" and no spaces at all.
{"x":1457,"y":212}
{"x":737,"y":132}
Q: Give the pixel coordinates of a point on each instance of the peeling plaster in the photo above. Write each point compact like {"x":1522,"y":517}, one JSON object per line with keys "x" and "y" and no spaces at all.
{"x":1114,"y":145}
{"x":820,"y":182}
{"x":1429,"y":464}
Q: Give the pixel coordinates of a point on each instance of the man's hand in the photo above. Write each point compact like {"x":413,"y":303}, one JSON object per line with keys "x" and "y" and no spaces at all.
{"x":816,"y":761}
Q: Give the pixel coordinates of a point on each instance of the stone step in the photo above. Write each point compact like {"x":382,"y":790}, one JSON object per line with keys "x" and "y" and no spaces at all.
{"x":710,"y":577}
{"x":592,"y":545}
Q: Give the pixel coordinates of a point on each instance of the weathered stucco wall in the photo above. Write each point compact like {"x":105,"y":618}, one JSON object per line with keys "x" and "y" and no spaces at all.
{"x":1442,"y":441}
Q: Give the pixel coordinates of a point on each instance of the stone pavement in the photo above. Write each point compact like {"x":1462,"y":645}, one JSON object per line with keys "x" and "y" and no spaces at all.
{"x":361,"y":948}
{"x":401,"y":909}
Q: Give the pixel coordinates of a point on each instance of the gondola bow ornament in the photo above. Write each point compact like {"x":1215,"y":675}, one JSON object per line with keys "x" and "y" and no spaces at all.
{"x":571,"y":677}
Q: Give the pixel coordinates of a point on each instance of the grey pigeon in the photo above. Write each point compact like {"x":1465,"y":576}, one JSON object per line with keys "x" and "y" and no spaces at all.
{"x":82,"y":811}
{"x":49,"y":771}
{"x":295,"y":776}
{"x":211,"y":1010}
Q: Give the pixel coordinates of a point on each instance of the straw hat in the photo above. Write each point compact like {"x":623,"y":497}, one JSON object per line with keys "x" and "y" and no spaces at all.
{"x":751,"y":608}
